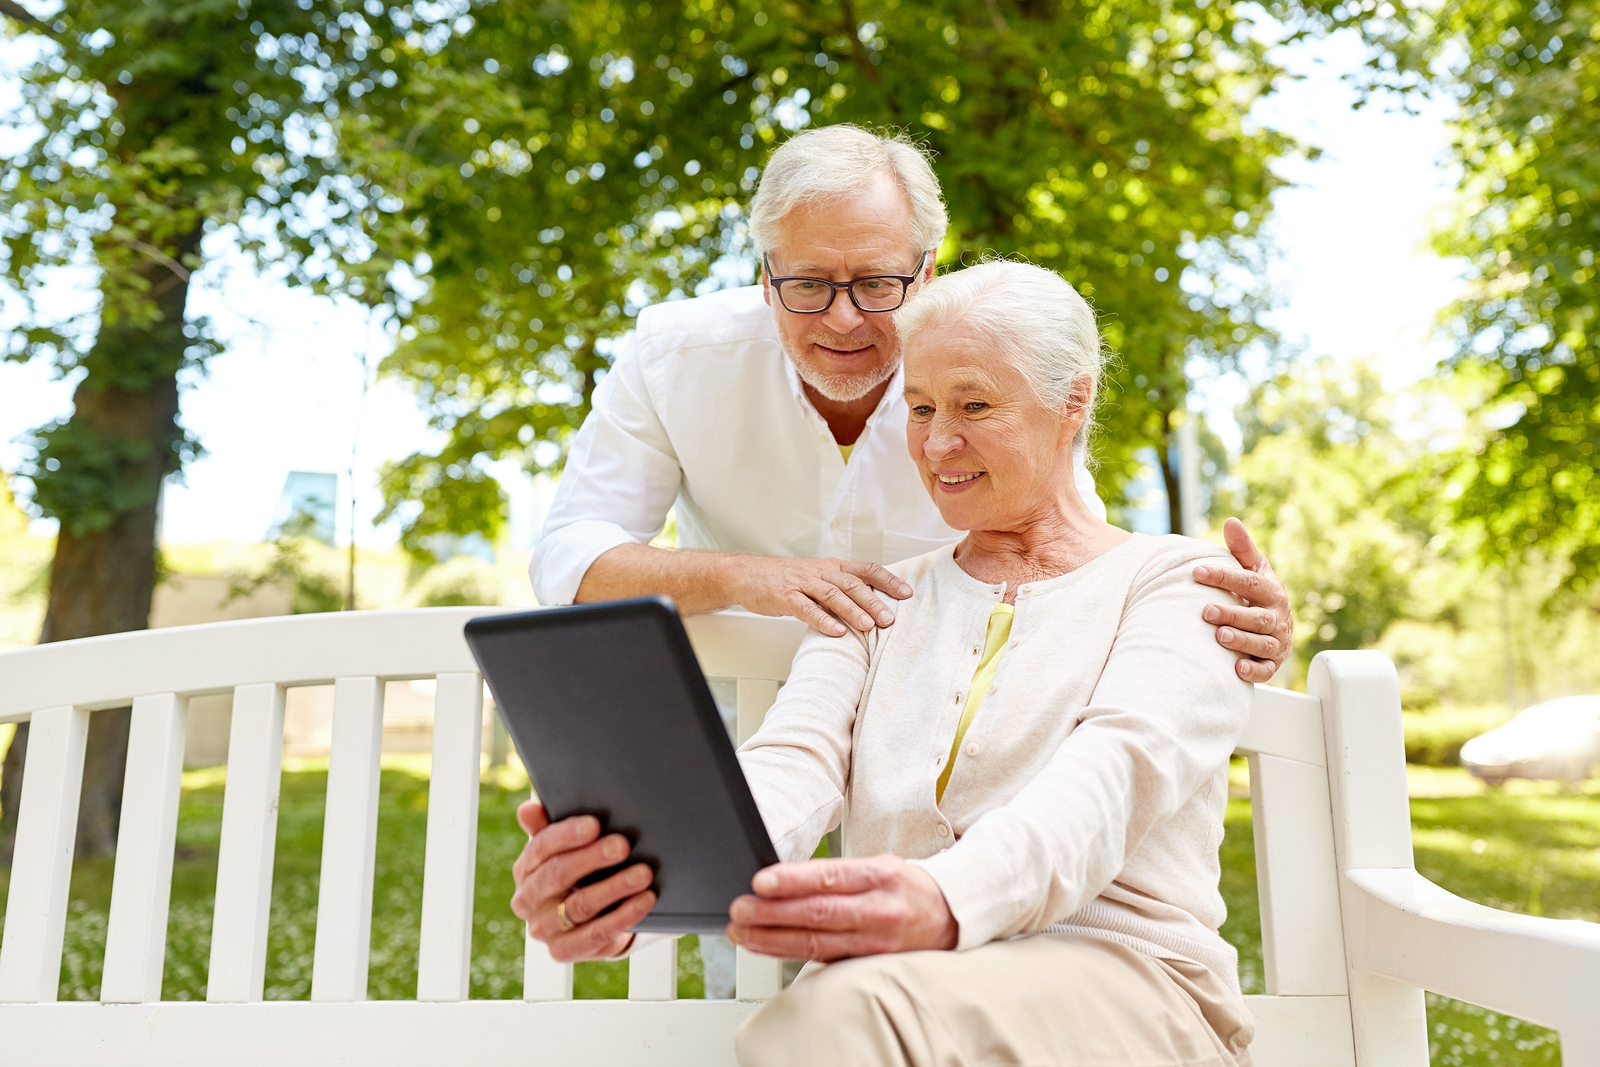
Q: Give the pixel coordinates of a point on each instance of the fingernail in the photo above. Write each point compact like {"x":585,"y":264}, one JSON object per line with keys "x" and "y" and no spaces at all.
{"x":764,"y":881}
{"x":1226,"y":634}
{"x":905,"y":590}
{"x":836,"y":629}
{"x":885,"y":619}
{"x":615,"y":849}
{"x":1202,"y":573}
{"x":1213,"y":613}
{"x":865,"y":622}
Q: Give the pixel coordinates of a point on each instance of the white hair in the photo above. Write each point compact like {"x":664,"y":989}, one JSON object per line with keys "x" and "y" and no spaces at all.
{"x":1028,"y":315}
{"x":835,"y":162}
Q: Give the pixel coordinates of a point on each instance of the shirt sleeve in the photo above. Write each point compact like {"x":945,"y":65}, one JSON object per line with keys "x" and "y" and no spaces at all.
{"x":798,"y":763}
{"x":620,"y":479}
{"x":1164,"y":717}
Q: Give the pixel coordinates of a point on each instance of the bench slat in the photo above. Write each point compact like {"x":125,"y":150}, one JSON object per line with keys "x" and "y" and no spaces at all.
{"x":755,"y":977}
{"x":141,"y":885}
{"x":47,"y":828}
{"x":249,"y":835}
{"x":1302,"y":938}
{"x":349,"y":843}
{"x":653,"y":971}
{"x":445,"y":947}
{"x":542,"y":977}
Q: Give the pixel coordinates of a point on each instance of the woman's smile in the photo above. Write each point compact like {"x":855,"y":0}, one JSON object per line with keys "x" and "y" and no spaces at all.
{"x":957,"y":481}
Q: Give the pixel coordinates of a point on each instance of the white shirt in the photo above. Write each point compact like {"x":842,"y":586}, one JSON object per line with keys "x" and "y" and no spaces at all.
{"x":702,"y":409}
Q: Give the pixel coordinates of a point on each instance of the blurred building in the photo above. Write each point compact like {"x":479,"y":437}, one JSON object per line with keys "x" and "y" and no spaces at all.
{"x":306,"y":506}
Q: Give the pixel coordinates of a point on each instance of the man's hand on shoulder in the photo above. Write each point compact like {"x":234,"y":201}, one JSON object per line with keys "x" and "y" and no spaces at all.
{"x":1263,"y":629}
{"x":819,"y":592}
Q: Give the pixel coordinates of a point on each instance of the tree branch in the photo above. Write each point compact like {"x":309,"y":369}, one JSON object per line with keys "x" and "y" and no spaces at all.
{"x":22,"y":15}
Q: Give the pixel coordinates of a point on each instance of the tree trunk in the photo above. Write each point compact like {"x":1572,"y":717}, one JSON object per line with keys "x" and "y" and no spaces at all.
{"x":102,"y":579}
{"x":1171,"y":477}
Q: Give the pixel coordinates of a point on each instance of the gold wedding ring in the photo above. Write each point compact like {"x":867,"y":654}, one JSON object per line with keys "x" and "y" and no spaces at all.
{"x":561,"y":917}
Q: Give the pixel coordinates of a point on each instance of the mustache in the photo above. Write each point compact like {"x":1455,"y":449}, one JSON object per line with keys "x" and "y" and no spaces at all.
{"x":833,"y":340}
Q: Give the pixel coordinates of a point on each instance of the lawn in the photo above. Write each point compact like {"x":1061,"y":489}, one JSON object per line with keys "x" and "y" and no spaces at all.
{"x":1529,"y":849}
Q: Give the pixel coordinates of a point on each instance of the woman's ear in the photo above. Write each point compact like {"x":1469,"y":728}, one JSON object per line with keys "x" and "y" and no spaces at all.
{"x":1075,"y":407}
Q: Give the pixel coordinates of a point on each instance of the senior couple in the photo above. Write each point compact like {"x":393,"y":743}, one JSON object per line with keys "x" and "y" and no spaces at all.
{"x":1027,"y":712}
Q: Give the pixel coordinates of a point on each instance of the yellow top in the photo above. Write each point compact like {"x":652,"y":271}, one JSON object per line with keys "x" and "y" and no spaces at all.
{"x":982,"y":678}
{"x":844,"y":450}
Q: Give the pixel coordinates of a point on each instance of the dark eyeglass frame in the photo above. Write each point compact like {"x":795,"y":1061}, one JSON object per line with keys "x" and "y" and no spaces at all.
{"x":905,"y":280}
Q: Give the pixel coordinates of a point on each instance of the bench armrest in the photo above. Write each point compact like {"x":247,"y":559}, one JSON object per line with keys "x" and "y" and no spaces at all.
{"x":1542,"y":970}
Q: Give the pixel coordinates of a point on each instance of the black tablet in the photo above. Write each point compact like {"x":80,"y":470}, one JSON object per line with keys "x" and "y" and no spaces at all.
{"x":612,"y":718}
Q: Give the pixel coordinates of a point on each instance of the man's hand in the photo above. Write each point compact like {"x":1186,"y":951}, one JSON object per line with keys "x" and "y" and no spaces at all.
{"x":819,"y":592}
{"x":834,"y":909}
{"x":1264,"y":628}
{"x":547,"y":873}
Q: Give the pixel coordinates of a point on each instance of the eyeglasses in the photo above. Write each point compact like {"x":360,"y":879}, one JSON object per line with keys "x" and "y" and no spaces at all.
{"x":873,"y":293}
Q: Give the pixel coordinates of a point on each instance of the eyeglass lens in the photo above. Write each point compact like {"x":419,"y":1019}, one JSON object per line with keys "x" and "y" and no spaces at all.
{"x":871,"y":294}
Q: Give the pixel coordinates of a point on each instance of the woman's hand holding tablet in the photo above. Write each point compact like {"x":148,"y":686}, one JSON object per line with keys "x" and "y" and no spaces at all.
{"x":575,"y":922}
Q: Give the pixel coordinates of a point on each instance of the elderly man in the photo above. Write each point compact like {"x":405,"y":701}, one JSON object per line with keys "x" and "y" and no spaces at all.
{"x":773,"y":418}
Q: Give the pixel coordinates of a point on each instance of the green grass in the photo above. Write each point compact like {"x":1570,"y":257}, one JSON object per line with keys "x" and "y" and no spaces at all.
{"x":1533,"y":850}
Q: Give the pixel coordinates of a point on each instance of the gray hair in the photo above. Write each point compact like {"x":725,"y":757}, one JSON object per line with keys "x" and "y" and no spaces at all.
{"x":834,"y":162}
{"x":1030,"y":316}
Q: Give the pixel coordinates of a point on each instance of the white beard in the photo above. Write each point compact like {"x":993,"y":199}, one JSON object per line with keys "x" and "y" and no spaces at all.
{"x":841,"y":388}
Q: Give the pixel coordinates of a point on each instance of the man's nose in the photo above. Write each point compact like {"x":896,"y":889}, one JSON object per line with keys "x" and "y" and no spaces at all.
{"x":843,"y":316}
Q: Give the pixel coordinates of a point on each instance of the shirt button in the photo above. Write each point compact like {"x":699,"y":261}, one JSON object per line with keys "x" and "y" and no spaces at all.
{"x":972,"y":748}
{"x":942,"y":830}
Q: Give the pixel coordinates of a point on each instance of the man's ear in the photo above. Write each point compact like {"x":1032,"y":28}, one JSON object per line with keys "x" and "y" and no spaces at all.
{"x":766,"y":286}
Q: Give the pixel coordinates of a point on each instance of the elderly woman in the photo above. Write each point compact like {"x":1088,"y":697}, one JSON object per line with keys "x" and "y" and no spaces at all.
{"x":1034,"y":755}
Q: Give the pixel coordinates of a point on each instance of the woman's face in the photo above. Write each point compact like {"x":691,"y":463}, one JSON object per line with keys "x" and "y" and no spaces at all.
{"x":991,"y":455}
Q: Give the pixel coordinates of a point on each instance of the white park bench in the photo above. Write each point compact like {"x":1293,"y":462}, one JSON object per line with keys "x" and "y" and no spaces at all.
{"x":1352,"y":935}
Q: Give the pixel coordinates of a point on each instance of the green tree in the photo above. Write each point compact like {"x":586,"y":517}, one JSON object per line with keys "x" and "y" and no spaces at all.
{"x":566,"y":164}
{"x":1331,"y":494}
{"x":1529,"y":84}
{"x":142,"y":128}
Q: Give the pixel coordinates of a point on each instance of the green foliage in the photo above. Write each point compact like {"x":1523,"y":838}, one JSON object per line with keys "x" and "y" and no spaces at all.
{"x":460,"y":582}
{"x":140,"y":128}
{"x":1331,"y":498}
{"x":79,"y":473}
{"x":566,"y":165}
{"x":1529,"y":82}
{"x":1434,"y":738}
{"x":311,"y":589}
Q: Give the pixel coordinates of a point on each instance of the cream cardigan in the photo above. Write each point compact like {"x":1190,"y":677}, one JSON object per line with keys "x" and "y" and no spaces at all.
{"x":1089,"y":793}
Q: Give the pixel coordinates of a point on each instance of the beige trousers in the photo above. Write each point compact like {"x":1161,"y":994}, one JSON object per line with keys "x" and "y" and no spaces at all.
{"x":1052,"y":1000}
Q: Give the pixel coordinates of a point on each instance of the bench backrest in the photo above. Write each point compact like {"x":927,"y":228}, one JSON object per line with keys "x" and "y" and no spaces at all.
{"x":1304,"y":1018}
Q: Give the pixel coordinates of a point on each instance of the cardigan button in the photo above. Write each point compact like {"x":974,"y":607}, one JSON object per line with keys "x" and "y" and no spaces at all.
{"x":942,"y":830}
{"x":972,"y":748}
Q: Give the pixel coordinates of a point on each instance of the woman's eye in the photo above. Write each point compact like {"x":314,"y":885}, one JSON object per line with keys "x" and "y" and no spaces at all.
{"x":975,"y":405}
{"x":922,"y":409}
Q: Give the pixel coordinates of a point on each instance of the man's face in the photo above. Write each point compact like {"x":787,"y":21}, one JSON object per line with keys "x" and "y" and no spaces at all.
{"x":844,"y":353}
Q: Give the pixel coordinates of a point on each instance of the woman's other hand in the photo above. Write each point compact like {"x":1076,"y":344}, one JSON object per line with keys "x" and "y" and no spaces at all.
{"x":833,"y":909}
{"x":1263,"y":629}
{"x":556,"y":857}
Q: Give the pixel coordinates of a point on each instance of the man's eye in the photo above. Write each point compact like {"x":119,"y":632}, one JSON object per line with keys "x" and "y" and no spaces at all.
{"x":805,"y":287}
{"x":873,"y":284}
